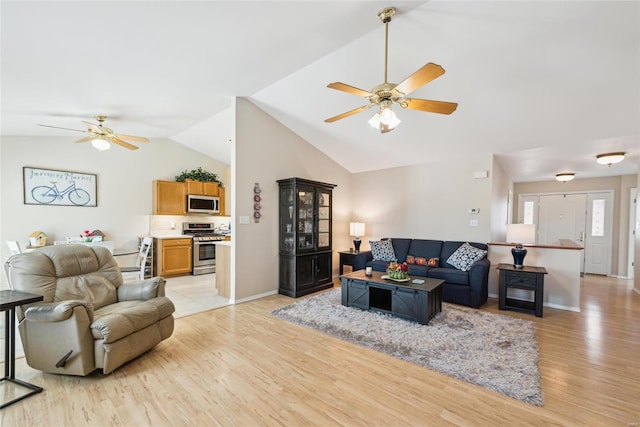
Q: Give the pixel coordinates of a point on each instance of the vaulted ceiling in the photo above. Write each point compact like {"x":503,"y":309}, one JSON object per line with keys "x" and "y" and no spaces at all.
{"x":544,"y":85}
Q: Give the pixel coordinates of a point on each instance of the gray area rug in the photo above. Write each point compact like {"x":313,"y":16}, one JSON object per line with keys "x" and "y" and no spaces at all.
{"x":497,"y":352}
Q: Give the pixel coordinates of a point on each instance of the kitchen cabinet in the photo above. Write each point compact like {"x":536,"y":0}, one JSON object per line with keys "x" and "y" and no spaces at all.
{"x":221,"y":194}
{"x":305,"y":236}
{"x":174,"y":257}
{"x":202,"y":188}
{"x":169,"y":198}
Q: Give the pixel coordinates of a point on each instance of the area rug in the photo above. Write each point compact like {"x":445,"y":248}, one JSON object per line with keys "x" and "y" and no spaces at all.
{"x":497,"y":352}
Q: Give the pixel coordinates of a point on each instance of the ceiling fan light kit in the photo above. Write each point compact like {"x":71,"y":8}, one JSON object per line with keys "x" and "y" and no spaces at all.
{"x":387,"y":94}
{"x":610,"y":158}
{"x":102,"y":137}
{"x":100,"y":144}
{"x":564,"y":177}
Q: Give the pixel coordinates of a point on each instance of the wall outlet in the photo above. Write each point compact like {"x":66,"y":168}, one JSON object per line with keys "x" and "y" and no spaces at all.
{"x":473,"y":223}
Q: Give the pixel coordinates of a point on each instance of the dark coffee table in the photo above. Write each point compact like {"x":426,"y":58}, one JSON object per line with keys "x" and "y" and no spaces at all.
{"x":407,"y":300}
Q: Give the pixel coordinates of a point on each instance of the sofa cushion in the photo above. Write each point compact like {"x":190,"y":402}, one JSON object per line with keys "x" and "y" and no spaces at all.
{"x":121,"y":319}
{"x":378,"y":265}
{"x":418,"y":270}
{"x":464,"y":257}
{"x":401,"y":248}
{"x":433,"y":262}
{"x":450,"y":275}
{"x":425,"y":248}
{"x":382,"y":250}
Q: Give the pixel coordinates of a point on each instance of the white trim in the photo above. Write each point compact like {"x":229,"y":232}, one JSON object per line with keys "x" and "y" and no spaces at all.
{"x":636,"y":290}
{"x":633,"y":195}
{"x":252,"y":297}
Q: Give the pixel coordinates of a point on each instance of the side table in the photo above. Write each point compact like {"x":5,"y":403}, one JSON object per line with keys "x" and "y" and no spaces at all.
{"x":347,"y":258}
{"x":526,"y":277}
{"x":9,"y":300}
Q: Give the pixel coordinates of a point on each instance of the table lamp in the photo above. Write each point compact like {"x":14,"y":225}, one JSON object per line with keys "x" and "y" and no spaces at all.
{"x":519,"y":234}
{"x":356,"y":230}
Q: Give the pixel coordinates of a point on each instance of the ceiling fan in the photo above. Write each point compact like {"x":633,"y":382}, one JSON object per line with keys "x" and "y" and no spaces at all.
{"x":386,"y":94}
{"x":101,"y":137}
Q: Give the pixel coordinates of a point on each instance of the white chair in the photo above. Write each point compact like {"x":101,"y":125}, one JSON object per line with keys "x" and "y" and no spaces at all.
{"x":136,"y":272}
{"x":14,"y":247}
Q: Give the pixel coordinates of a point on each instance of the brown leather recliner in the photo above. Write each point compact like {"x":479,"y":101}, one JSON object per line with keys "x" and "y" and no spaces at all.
{"x":89,"y":318}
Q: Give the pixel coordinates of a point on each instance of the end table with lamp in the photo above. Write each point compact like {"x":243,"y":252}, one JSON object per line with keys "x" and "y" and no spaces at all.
{"x":9,"y":300}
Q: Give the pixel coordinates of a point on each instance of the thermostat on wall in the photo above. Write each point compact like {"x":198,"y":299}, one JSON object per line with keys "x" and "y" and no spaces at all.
{"x":474,"y":210}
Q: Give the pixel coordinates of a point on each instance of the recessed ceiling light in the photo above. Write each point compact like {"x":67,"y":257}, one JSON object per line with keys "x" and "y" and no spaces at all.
{"x":610,"y":158}
{"x":564,"y":177}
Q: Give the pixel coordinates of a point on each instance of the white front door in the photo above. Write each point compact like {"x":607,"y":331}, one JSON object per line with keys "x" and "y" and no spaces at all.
{"x":561,"y":216}
{"x":597,"y":248}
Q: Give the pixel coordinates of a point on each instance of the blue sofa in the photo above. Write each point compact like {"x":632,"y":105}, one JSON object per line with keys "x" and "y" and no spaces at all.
{"x":460,"y":287}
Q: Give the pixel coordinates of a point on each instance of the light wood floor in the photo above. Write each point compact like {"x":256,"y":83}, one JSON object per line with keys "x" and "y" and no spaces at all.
{"x":239,"y":365}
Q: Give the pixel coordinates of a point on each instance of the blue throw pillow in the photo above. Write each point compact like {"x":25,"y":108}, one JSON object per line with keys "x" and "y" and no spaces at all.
{"x":382,"y":250}
{"x":464,"y":257}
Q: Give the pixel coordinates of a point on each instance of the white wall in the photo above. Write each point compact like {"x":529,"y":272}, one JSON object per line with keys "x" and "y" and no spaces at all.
{"x":501,"y":187}
{"x":124,"y":186}
{"x":429,"y":201}
{"x":265,"y":151}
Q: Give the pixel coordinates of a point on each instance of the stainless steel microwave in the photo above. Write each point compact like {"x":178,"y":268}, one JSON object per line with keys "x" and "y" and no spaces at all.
{"x":203,"y":204}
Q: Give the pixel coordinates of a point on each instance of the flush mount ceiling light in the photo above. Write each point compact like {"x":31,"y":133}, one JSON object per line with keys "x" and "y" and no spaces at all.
{"x":610,"y":158}
{"x":564,"y":177}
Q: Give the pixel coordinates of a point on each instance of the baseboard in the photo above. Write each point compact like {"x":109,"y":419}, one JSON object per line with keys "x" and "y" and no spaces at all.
{"x":252,"y":297}
{"x":636,"y":290}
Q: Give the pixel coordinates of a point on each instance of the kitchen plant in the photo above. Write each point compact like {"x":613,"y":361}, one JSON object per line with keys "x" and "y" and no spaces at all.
{"x":199,"y":175}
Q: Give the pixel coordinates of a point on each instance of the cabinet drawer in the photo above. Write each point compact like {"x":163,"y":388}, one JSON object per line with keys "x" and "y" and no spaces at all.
{"x":176,"y":242}
{"x":520,"y":279}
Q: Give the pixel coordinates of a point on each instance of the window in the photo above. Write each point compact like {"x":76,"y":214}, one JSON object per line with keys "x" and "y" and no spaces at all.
{"x":597,"y":217}
{"x":528,"y":212}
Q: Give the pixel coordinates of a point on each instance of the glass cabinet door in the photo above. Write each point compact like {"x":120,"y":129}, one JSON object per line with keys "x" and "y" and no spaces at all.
{"x":324,"y":219}
{"x":287,"y":229}
{"x":306,"y":218}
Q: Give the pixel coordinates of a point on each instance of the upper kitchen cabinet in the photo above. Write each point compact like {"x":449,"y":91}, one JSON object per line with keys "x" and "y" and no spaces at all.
{"x":169,"y":198}
{"x":202,"y":188}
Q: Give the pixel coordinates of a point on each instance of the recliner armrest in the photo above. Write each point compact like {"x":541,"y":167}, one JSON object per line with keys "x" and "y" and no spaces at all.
{"x":141,"y":290}
{"x":56,"y":311}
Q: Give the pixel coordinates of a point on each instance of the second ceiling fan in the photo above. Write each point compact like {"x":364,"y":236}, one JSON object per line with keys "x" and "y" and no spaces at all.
{"x":101,"y":137}
{"x":386,"y":94}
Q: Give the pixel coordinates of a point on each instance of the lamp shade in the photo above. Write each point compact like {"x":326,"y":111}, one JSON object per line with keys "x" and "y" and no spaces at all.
{"x":521,"y":233}
{"x":356,"y":229}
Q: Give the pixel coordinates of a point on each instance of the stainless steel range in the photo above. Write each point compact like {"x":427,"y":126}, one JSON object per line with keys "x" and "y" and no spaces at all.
{"x":204,"y":248}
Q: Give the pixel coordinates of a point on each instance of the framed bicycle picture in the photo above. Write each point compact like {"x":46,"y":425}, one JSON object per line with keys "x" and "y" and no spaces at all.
{"x":59,"y":188}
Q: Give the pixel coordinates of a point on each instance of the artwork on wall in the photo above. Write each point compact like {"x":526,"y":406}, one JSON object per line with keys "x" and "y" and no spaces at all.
{"x":256,"y":205}
{"x":59,"y":188}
